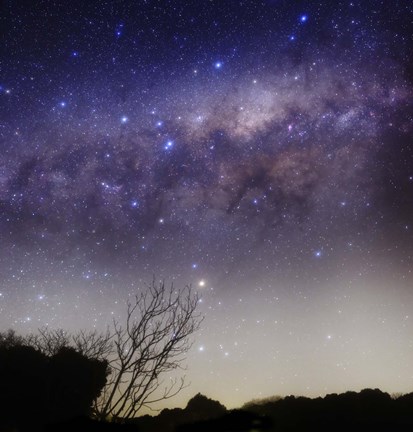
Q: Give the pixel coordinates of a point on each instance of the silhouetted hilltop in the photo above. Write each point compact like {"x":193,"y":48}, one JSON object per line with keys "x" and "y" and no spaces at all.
{"x":55,"y":392}
{"x":199,"y":408}
{"x":367,"y":410}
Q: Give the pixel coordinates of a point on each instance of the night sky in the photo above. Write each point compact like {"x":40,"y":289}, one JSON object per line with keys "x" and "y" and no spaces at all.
{"x":259,"y":150}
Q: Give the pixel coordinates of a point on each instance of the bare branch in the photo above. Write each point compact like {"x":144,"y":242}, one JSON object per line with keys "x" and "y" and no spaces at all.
{"x":154,"y":339}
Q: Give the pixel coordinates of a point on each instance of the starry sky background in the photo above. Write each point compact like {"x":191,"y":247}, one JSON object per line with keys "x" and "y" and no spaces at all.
{"x":259,"y":150}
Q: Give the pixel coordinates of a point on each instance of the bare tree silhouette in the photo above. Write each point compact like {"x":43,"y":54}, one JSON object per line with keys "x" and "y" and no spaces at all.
{"x":153,"y":340}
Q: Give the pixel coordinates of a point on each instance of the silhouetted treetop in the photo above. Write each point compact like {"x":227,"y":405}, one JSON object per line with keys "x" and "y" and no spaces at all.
{"x":36,"y":388}
{"x":202,"y":407}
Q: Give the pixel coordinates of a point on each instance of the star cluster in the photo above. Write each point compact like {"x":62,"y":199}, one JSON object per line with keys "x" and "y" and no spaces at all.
{"x":259,"y":150}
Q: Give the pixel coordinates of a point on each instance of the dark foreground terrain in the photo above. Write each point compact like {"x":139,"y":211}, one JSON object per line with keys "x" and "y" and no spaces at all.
{"x":368,"y":410}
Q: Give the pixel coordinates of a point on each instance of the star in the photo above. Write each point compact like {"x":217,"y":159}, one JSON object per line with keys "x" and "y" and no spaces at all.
{"x":259,"y":152}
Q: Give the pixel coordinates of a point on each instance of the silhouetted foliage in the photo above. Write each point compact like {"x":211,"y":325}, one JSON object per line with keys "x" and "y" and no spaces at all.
{"x":10,"y":339}
{"x":255,"y":404}
{"x":235,"y":420}
{"x":43,"y":381}
{"x":86,"y":424}
{"x":152,"y":340}
{"x":36,"y":388}
{"x":368,"y":410}
{"x":77,"y":381}
{"x":199,"y":408}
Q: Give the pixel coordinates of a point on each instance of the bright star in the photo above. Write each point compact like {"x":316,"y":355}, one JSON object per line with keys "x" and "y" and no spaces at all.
{"x":218,"y":65}
{"x":124,"y":119}
{"x":303,"y":18}
{"x":118,"y":30}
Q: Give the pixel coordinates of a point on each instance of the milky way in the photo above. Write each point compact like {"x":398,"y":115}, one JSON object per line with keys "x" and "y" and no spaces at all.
{"x":258,"y":150}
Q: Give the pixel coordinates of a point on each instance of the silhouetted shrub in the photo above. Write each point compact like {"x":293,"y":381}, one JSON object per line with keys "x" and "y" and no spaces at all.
{"x":235,"y":420}
{"x":85,"y":424}
{"x":368,"y":410}
{"x":37,"y":389}
{"x":201,"y":408}
{"x":76,"y":380}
